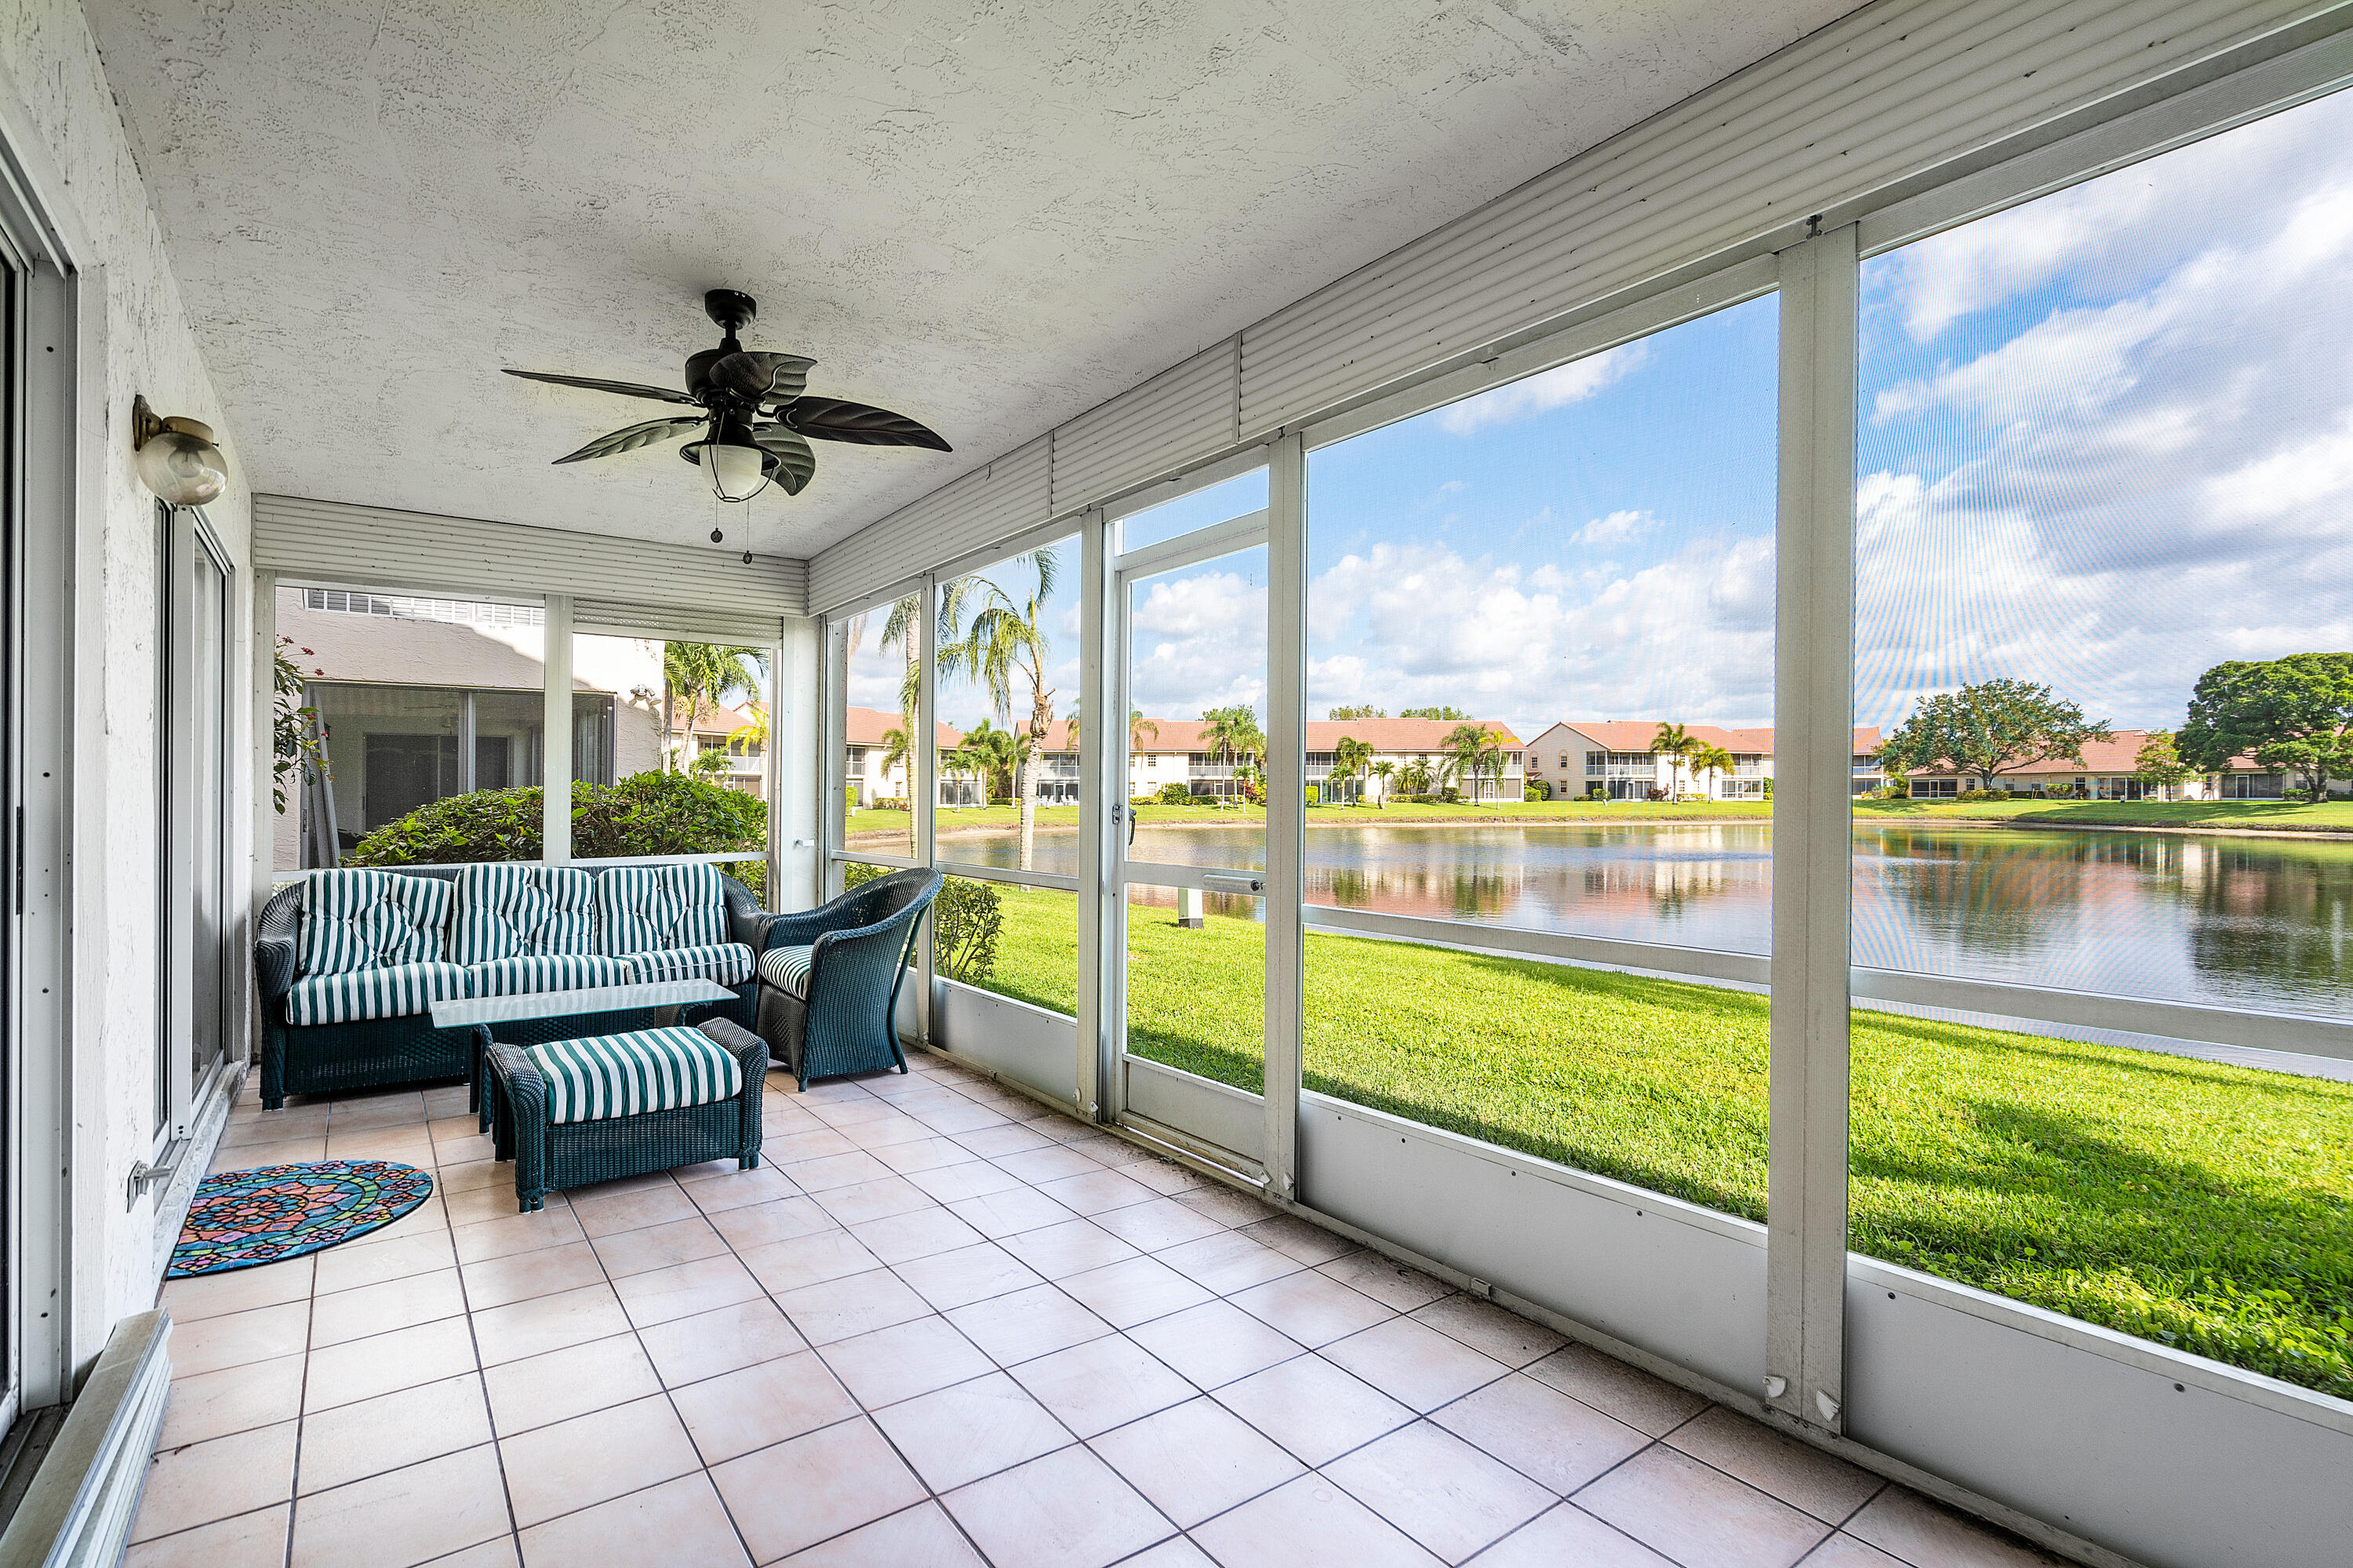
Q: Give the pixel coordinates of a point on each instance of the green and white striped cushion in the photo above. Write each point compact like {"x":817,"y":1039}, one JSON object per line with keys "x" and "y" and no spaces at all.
{"x":387,"y":991}
{"x":362,"y":919}
{"x":787,"y":969}
{"x":729,"y":963}
{"x":511,"y":911}
{"x":529,"y":973}
{"x":630,"y":1075}
{"x":641,"y":908}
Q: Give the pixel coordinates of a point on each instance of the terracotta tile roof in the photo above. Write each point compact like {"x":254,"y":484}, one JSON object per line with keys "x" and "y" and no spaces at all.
{"x":865,"y":726}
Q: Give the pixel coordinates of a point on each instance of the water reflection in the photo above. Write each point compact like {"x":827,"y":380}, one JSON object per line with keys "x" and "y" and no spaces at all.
{"x":2264,"y":922}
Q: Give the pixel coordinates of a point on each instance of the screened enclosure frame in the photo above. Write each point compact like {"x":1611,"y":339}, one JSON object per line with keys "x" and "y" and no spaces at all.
{"x":1830,"y":1330}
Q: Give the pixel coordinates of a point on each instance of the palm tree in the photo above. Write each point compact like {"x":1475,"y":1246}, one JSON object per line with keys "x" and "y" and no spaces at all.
{"x":1712,"y":760}
{"x":1463,"y":743}
{"x":1382,"y":770}
{"x":1675,"y":743}
{"x":1349,"y":758}
{"x":1232,"y":735}
{"x":753,"y":732}
{"x":701,"y":673}
{"x":895,"y":752}
{"x":995,"y":754}
{"x":1489,"y":761}
{"x":1004,"y":643}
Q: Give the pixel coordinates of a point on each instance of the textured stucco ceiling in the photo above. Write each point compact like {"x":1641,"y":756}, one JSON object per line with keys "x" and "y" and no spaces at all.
{"x":991,"y":217}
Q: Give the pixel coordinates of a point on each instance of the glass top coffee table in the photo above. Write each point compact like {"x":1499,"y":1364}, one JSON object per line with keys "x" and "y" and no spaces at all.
{"x":465,"y":1011}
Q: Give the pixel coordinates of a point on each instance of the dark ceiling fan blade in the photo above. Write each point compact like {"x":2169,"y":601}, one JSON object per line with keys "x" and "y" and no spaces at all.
{"x":832,"y":419}
{"x":756,"y":375}
{"x":630,"y":438}
{"x":796,"y":461}
{"x":625,"y":388}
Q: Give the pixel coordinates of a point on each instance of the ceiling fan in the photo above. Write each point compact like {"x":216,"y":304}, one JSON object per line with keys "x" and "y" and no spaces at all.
{"x":749,"y":405}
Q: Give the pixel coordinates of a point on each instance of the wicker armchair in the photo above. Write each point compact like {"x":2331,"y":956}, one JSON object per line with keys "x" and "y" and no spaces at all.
{"x":829,"y":977}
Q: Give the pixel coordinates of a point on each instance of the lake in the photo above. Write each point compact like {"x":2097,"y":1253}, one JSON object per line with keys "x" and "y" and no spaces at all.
{"x":2264,"y":923}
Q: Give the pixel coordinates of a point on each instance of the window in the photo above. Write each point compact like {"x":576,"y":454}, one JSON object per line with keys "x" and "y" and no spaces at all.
{"x":1595,"y":539}
{"x":2095,"y":465}
{"x":877,"y":707}
{"x":415,"y":700}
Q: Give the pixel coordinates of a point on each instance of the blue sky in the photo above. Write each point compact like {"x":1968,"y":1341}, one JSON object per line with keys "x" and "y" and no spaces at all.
{"x":2104,"y":441}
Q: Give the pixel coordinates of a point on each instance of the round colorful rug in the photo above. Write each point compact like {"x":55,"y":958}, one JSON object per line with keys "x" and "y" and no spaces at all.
{"x":241,"y":1218}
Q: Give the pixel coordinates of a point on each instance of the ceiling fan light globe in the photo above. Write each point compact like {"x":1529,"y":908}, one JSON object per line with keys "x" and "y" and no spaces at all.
{"x":736,"y":472}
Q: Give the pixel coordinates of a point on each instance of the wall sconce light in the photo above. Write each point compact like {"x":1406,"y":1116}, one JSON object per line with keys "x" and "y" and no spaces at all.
{"x":177,"y":459}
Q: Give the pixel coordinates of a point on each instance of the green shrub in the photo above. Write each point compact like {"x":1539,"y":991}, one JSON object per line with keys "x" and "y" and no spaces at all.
{"x":1596,"y":792}
{"x":644,"y":814}
{"x":1174,"y":794}
{"x":967,"y":917}
{"x":1983,"y":795}
{"x":1315,"y":795}
{"x":1536,"y":790}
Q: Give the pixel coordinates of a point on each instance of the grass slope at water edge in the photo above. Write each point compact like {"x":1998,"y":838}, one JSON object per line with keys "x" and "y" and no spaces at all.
{"x":2203,"y":1206}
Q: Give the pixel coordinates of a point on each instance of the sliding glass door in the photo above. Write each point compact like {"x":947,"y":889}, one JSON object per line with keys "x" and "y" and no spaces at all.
{"x":196,"y":839}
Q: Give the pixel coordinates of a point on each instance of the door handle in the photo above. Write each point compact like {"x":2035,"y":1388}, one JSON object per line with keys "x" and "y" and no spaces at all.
{"x":1255,"y":884}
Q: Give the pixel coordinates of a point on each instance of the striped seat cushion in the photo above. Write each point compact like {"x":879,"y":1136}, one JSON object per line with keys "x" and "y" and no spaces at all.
{"x":521,"y":911}
{"x":787,"y":969}
{"x":363,"y":920}
{"x":528,"y":974}
{"x":729,"y":963}
{"x":387,"y":991}
{"x":630,"y":1075}
{"x":641,"y":909}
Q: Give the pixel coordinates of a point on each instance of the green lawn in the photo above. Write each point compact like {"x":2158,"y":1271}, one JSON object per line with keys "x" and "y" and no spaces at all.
{"x":2256,"y":816}
{"x":2205,"y":1206}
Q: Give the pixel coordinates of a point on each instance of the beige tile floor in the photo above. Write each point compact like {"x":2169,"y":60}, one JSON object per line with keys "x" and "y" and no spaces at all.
{"x":939,"y":1326}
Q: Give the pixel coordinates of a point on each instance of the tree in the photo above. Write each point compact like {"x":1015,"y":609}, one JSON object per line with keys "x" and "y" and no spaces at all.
{"x":1986,"y":730}
{"x":896,"y":752}
{"x":1349,"y":758}
{"x":1382,"y":772}
{"x":2295,"y":714}
{"x":1362,"y":711}
{"x":1003,"y":643}
{"x":296,"y":754}
{"x":701,"y":674}
{"x":996,"y":755}
{"x":1489,"y":760}
{"x":1441,"y":714}
{"x":1463,"y":744}
{"x":2159,"y":765}
{"x":753,"y":732}
{"x":1713,"y":761}
{"x":1676,"y":744}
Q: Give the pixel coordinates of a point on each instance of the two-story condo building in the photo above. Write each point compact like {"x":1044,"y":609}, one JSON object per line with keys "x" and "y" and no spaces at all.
{"x":1612,"y":759}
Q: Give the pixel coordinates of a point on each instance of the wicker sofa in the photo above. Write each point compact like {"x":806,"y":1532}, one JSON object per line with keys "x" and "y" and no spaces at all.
{"x":348,"y":963}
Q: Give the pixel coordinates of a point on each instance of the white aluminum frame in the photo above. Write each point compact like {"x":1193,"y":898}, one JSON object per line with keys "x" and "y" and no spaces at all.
{"x":1188,"y":1114}
{"x":1817,"y":1308}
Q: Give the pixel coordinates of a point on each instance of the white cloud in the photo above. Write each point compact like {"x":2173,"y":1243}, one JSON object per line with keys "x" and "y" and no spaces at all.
{"x":1404,"y":626}
{"x":1614,"y":529}
{"x":1541,"y":393}
{"x":1199,"y":642}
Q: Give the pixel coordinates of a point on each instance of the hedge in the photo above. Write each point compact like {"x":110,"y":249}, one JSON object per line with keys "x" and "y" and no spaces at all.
{"x":644,"y":814}
{"x":967,"y":918}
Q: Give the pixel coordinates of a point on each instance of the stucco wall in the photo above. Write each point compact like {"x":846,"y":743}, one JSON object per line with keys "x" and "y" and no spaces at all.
{"x":61,"y":122}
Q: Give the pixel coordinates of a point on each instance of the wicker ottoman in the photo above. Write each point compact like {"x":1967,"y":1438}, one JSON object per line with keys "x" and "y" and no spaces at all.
{"x":573,"y":1112}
